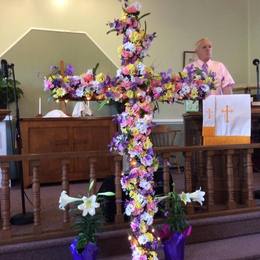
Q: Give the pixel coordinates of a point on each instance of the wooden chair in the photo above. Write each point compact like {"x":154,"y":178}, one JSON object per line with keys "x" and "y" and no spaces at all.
{"x":164,"y":136}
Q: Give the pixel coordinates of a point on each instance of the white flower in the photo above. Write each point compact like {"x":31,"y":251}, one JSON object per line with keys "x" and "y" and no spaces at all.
{"x":185,"y":197}
{"x":141,"y":68}
{"x":89,"y":205}
{"x":205,"y":88}
{"x":141,"y":199}
{"x":129,"y":209}
{"x":129,"y":46}
{"x":65,"y":199}
{"x":145,"y":184}
{"x":198,"y":196}
{"x":158,"y":199}
{"x":142,"y":239}
{"x":147,"y":217}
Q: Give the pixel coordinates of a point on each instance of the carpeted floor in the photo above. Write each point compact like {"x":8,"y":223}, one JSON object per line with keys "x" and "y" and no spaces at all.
{"x":243,"y":247}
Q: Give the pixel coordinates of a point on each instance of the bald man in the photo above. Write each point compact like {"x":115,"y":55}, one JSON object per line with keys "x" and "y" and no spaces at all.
{"x":224,"y":81}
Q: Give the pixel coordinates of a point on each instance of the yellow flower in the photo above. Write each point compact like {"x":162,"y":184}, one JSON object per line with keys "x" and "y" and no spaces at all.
{"x":136,"y":36}
{"x":147,"y":144}
{"x":119,"y":50}
{"x":100,"y":77}
{"x":168,"y":95}
{"x":135,"y":131}
{"x":168,"y":86}
{"x":194,"y":93}
{"x":123,"y":16}
{"x":149,"y":70}
{"x":149,"y":199}
{"x":183,"y":74}
{"x":60,"y":92}
{"x":130,"y":94}
{"x":132,"y":194}
{"x":143,"y":227}
{"x":153,"y":255}
{"x":208,"y":80}
{"x":138,"y":205}
{"x":149,"y":236}
{"x":66,"y":79}
{"x":131,"y":68}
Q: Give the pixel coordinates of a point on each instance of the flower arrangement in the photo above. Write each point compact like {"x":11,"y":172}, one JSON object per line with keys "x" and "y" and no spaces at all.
{"x":174,"y":232}
{"x":88,"y":222}
{"x":68,"y":86}
{"x":136,"y":86}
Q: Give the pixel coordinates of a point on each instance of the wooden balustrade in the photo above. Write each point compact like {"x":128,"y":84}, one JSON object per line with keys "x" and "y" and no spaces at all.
{"x":65,"y":187}
{"x":210,"y":181}
{"x":249,"y":178}
{"x":36,"y":193}
{"x":5,"y":198}
{"x":188,"y":178}
{"x":92,"y":175}
{"x":230,"y":180}
{"x":166,"y":173}
{"x":206,"y":154}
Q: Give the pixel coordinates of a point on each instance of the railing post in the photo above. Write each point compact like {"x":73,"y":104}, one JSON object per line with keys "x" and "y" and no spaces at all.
{"x":65,"y":186}
{"x":188,"y":179}
{"x":36,"y":193}
{"x":92,"y":174}
{"x":166,"y":173}
{"x":210,"y":181}
{"x":5,"y":198}
{"x":248,"y":167}
{"x":119,"y":216}
{"x":230,"y":180}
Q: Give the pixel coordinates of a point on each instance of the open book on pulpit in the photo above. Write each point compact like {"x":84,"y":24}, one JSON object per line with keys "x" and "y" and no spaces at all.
{"x":226,"y":119}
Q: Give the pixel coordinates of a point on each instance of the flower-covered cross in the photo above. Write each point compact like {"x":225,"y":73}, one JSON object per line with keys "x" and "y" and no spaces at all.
{"x":137,"y":86}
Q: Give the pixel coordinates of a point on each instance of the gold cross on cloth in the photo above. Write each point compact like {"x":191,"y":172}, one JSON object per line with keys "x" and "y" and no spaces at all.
{"x":210,"y":113}
{"x":226,"y":110}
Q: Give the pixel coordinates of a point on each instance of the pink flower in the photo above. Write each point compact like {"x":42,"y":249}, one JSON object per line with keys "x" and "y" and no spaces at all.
{"x":88,"y":77}
{"x":134,"y":8}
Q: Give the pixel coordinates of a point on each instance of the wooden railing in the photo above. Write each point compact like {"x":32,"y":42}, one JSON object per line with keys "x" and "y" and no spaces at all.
{"x":206,"y":153}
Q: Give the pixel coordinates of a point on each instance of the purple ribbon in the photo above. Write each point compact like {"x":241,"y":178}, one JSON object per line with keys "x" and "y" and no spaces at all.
{"x":174,"y":246}
{"x":89,"y":253}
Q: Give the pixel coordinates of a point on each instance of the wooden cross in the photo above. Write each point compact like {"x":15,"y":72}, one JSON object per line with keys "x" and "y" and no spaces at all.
{"x":226,"y":110}
{"x":63,"y":106}
{"x":62,"y":68}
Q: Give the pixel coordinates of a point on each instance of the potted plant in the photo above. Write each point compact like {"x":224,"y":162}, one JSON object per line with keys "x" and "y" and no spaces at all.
{"x":87,"y":222}
{"x":174,"y":232}
{"x":8,"y":86}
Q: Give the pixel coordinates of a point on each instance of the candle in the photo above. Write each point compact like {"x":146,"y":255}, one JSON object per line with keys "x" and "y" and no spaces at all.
{"x":40,"y":105}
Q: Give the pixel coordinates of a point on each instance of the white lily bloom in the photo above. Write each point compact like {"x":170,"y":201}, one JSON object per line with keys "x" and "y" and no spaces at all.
{"x":198,"y":196}
{"x":65,"y":199}
{"x":89,"y":205}
{"x":185,"y":197}
{"x":161,"y":198}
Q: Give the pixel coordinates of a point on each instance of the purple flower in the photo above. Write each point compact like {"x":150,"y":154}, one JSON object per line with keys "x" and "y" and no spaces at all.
{"x":69,"y":70}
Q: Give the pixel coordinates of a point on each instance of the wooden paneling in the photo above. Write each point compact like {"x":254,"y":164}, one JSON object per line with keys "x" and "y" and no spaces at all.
{"x":45,"y":135}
